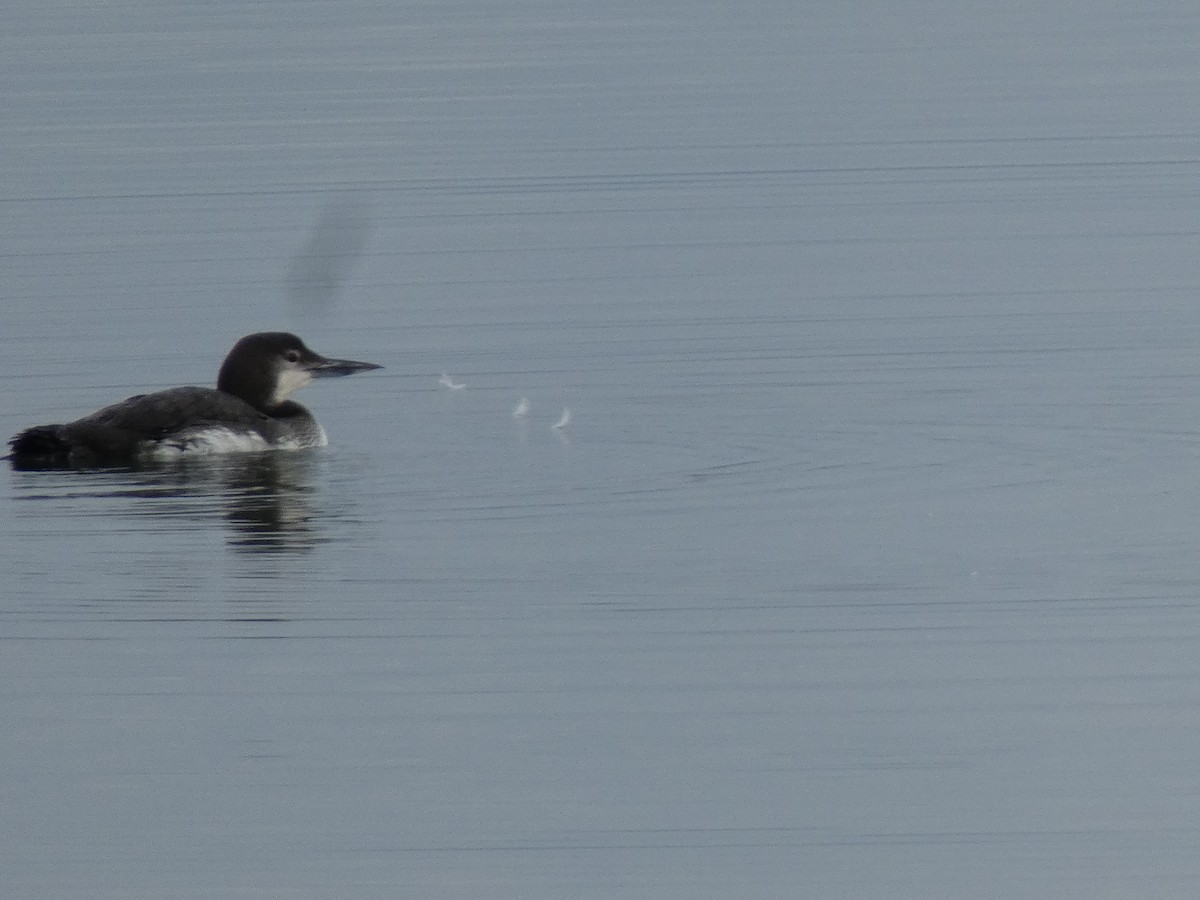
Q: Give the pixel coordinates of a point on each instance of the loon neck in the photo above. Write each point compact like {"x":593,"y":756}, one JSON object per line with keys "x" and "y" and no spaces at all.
{"x":288,"y":409}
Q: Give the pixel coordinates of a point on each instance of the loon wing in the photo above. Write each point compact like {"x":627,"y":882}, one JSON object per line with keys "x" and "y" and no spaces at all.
{"x":117,"y":431}
{"x":161,"y":414}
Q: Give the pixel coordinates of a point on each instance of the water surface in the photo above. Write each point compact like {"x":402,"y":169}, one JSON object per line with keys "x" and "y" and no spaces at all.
{"x":866,"y":567}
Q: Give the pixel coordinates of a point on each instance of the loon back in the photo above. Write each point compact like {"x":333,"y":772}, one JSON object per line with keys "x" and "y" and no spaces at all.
{"x":179,"y":420}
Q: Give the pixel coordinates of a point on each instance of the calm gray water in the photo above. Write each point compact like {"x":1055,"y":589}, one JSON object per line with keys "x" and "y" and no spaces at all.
{"x":867,"y":568}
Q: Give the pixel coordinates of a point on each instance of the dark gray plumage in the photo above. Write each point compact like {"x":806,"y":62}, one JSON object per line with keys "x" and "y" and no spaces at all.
{"x":248,"y":410}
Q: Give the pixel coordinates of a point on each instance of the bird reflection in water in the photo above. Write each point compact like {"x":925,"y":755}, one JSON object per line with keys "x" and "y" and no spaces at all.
{"x":266,"y":500}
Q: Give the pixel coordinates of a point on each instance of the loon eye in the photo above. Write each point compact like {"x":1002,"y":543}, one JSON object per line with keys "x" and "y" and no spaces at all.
{"x":292,"y":356}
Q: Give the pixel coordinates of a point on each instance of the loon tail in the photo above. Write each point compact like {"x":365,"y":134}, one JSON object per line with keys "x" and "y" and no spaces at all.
{"x":38,"y":447}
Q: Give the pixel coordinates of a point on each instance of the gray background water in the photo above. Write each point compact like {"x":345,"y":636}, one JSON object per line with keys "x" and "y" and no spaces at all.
{"x":868,"y":567}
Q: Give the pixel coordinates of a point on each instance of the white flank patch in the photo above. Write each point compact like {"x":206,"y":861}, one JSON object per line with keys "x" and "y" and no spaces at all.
{"x":220,"y":440}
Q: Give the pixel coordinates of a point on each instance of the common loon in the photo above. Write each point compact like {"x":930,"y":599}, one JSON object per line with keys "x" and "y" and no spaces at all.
{"x":249,"y":410}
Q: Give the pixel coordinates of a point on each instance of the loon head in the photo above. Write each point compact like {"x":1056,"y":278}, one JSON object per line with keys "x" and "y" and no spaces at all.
{"x":266,"y":368}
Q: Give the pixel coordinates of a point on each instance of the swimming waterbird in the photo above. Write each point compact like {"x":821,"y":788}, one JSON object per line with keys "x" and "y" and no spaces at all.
{"x":249,"y":410}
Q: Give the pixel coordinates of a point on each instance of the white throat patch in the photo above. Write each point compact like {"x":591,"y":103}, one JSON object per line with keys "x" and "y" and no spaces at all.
{"x":289,"y":381}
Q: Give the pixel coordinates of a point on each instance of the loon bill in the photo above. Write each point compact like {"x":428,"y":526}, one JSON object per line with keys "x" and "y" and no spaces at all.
{"x":249,"y":410}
